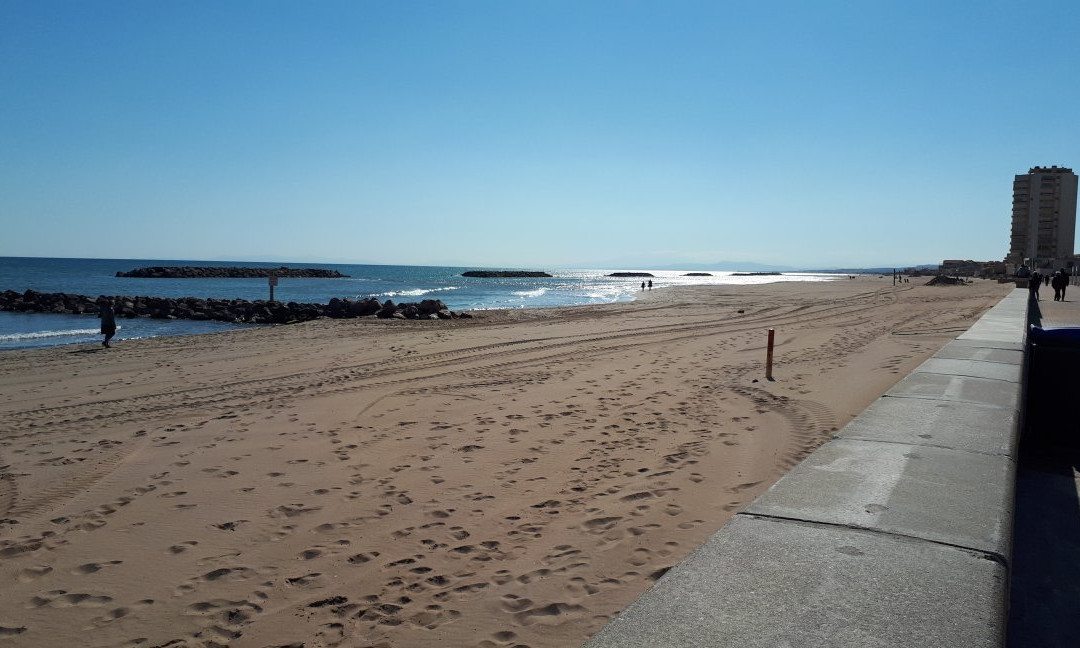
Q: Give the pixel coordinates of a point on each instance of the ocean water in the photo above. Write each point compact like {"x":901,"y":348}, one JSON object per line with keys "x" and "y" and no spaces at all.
{"x":95,"y":277}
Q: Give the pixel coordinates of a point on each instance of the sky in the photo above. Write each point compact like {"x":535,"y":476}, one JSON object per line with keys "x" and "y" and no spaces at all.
{"x":531,"y":133}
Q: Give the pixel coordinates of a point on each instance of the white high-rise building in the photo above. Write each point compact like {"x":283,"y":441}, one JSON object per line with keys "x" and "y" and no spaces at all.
{"x":1043,"y":215}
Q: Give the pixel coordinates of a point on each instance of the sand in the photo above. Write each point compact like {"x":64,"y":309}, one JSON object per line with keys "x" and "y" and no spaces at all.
{"x":513,"y":480}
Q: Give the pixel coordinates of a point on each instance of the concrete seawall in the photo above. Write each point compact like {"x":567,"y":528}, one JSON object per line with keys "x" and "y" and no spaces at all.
{"x":898,"y":532}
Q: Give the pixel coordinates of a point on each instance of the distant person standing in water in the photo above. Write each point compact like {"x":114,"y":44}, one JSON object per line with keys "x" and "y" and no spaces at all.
{"x":108,"y":320}
{"x":643,"y":285}
{"x":650,"y":284}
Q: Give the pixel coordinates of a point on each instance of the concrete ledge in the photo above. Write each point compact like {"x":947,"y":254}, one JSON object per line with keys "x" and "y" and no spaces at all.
{"x":975,"y":427}
{"x":960,"y":389}
{"x":978,"y":350}
{"x":767,"y":583}
{"x":945,"y":495}
{"x":972,"y":369}
{"x":896,"y":533}
{"x":1000,"y":323}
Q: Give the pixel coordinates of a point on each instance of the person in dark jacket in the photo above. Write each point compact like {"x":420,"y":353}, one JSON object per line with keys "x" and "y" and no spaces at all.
{"x":108,"y":320}
{"x":1059,"y":281}
{"x":1033,"y":284}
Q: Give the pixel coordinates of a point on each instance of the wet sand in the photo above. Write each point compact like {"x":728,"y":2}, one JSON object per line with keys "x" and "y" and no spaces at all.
{"x":512,"y":480}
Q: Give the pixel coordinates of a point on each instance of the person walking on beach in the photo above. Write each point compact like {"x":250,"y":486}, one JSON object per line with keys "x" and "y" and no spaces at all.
{"x":1033,"y":284}
{"x":108,"y":320}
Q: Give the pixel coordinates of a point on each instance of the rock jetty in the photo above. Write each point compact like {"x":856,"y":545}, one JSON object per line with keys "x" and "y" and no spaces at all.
{"x":631,"y":274}
{"x":698,"y":274}
{"x":488,"y":274}
{"x":212,"y":272}
{"x":239,"y":311}
{"x":755,"y":274}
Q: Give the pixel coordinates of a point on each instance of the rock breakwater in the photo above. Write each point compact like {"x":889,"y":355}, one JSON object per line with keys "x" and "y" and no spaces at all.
{"x":488,"y":274}
{"x":239,"y":311}
{"x":205,"y":272}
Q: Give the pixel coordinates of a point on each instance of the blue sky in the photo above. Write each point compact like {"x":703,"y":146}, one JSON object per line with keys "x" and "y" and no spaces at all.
{"x":533,"y":133}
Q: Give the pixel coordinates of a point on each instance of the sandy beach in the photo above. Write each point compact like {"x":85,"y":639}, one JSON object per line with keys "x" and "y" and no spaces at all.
{"x":511,"y":480}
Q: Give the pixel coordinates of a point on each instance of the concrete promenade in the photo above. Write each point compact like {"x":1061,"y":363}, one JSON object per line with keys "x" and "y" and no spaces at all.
{"x":898,"y":532}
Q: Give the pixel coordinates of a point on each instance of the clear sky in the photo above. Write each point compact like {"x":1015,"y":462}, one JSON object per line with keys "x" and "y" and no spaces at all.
{"x":535,"y":133}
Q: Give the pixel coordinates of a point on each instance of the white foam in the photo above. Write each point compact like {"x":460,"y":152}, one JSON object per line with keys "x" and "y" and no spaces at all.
{"x":12,"y":337}
{"x":417,"y":292}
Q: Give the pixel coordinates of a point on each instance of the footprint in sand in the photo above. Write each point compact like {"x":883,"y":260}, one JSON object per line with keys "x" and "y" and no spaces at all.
{"x":182,"y":547}
{"x":550,"y":614}
{"x":63,"y":599}
{"x":33,"y":573}
{"x":362,"y":558}
{"x":601,"y":524}
{"x":90,"y":568}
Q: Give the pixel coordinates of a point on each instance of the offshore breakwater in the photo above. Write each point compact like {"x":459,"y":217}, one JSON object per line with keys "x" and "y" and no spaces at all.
{"x":230,"y":272}
{"x":238,"y":311}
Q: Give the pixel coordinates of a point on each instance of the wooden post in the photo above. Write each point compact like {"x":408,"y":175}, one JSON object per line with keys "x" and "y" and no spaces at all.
{"x":768,"y":356}
{"x":273,"y":282}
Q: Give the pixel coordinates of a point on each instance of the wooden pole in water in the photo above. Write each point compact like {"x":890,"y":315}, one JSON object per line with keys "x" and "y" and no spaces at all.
{"x":768,"y":356}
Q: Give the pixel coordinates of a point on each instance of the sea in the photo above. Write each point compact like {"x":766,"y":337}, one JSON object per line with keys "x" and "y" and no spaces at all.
{"x":94,"y":277}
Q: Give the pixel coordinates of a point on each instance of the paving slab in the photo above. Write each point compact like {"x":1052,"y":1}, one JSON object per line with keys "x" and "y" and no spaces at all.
{"x":999,"y":324}
{"x":973,"y":368}
{"x":977,"y":350}
{"x":963,"y":389}
{"x":937,"y":494}
{"x":763,"y":583}
{"x":974,"y":427}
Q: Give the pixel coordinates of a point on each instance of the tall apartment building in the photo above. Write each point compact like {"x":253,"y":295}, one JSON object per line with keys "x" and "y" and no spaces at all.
{"x":1043,"y":215}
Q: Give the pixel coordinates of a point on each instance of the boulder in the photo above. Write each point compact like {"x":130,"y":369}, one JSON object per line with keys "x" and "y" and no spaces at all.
{"x":430,"y":306}
{"x":388,"y":309}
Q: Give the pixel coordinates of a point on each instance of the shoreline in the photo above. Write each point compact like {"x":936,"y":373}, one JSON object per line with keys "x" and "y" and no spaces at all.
{"x":514,"y":479}
{"x":479,"y":313}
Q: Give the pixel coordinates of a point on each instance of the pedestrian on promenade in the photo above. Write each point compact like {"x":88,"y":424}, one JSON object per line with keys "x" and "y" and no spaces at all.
{"x":1059,"y":282}
{"x":1033,"y":284}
